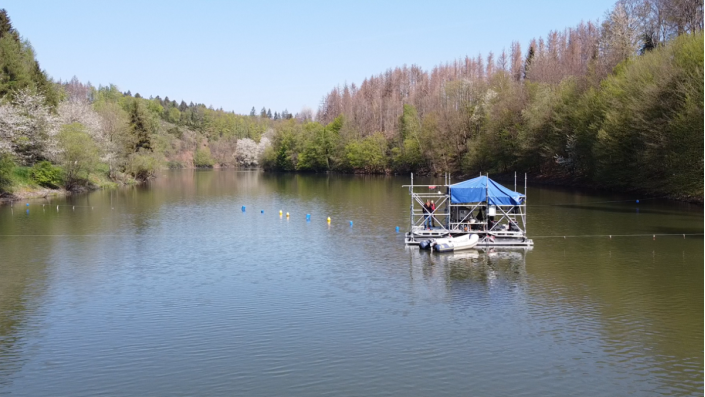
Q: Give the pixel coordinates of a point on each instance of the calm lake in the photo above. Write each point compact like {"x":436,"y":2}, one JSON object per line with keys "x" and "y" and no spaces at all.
{"x":170,"y":289}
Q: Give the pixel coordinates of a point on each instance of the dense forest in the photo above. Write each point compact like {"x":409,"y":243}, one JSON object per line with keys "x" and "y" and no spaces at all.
{"x":616,"y":104}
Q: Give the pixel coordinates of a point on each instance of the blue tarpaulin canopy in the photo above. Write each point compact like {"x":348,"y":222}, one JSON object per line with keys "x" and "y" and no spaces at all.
{"x":481,"y":189}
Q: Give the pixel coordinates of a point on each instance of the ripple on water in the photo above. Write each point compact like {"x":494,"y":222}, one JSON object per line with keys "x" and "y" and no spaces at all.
{"x":187,"y":295}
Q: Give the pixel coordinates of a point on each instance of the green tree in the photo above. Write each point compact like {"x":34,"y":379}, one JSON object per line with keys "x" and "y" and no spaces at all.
{"x":79,"y":156}
{"x":314,"y":146}
{"x":368,"y":154}
{"x":406,"y":156}
{"x":142,"y":164}
{"x":203,"y":158}
{"x":18,"y":67}
{"x":141,"y":127}
{"x":7,"y":165}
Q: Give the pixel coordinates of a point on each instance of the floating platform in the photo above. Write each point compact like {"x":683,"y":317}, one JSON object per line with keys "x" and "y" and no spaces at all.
{"x":477,"y":206}
{"x":491,"y":239}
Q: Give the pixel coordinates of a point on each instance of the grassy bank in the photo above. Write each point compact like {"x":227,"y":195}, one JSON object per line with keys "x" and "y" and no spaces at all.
{"x":24,"y":186}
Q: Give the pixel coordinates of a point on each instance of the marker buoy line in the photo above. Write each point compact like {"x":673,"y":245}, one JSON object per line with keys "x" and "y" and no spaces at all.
{"x":622,"y":235}
{"x":596,"y":202}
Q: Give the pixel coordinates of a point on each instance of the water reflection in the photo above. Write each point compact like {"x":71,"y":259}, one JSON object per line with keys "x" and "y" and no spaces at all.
{"x":134,"y":285}
{"x":461,"y":277}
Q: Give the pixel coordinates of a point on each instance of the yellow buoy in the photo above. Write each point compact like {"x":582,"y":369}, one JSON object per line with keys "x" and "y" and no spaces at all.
{"x":328,"y":219}
{"x":280,"y":212}
{"x":287,"y":214}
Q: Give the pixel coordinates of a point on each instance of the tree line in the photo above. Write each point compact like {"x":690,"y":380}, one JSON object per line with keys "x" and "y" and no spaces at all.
{"x":617,"y":104}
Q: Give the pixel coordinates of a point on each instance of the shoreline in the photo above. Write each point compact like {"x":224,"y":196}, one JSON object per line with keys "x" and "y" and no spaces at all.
{"x":33,"y":194}
{"x":43,"y":193}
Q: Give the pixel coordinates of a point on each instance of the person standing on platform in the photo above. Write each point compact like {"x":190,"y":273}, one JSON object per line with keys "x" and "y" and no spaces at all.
{"x":433,"y":210}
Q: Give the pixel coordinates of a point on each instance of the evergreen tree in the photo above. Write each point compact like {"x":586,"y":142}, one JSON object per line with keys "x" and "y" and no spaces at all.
{"x":252,"y":112}
{"x":18,"y":67}
{"x":263,"y":113}
{"x":140,"y":127}
{"x":269,"y":113}
{"x":6,"y":26}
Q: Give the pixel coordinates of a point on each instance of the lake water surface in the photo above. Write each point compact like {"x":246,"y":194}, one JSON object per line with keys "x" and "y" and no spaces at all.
{"x":170,"y":289}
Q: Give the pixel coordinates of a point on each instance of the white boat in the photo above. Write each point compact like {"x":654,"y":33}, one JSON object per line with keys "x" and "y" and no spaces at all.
{"x":463,"y":242}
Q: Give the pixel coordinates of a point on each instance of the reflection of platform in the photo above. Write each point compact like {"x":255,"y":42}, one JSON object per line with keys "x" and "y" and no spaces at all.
{"x":469,"y":254}
{"x":468,"y":276}
{"x":514,"y":254}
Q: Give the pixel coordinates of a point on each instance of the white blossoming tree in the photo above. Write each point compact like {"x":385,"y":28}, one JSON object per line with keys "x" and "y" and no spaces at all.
{"x":249,"y":152}
{"x":28,"y":128}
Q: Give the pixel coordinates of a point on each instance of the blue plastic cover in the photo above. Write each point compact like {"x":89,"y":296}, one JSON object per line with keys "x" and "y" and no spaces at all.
{"x":481,"y":189}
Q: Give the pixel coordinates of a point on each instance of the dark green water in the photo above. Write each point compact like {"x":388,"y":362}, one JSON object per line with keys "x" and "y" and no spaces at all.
{"x":170,"y":289}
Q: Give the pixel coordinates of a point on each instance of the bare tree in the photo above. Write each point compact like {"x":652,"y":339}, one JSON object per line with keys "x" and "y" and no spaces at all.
{"x":503,"y":61}
{"x":516,"y":61}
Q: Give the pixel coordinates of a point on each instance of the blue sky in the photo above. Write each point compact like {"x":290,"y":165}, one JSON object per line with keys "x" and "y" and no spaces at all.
{"x":276,"y":54}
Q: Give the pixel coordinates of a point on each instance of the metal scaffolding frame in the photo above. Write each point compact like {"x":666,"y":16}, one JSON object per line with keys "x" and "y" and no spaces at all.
{"x":460,"y":218}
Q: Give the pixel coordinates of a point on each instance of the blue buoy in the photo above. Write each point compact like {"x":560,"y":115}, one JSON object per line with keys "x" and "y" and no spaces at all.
{"x":27,"y":204}
{"x":243,"y":208}
{"x":351,"y":224}
{"x":637,"y":201}
{"x":397,"y":229}
{"x":308,"y":217}
{"x":261,"y":212}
